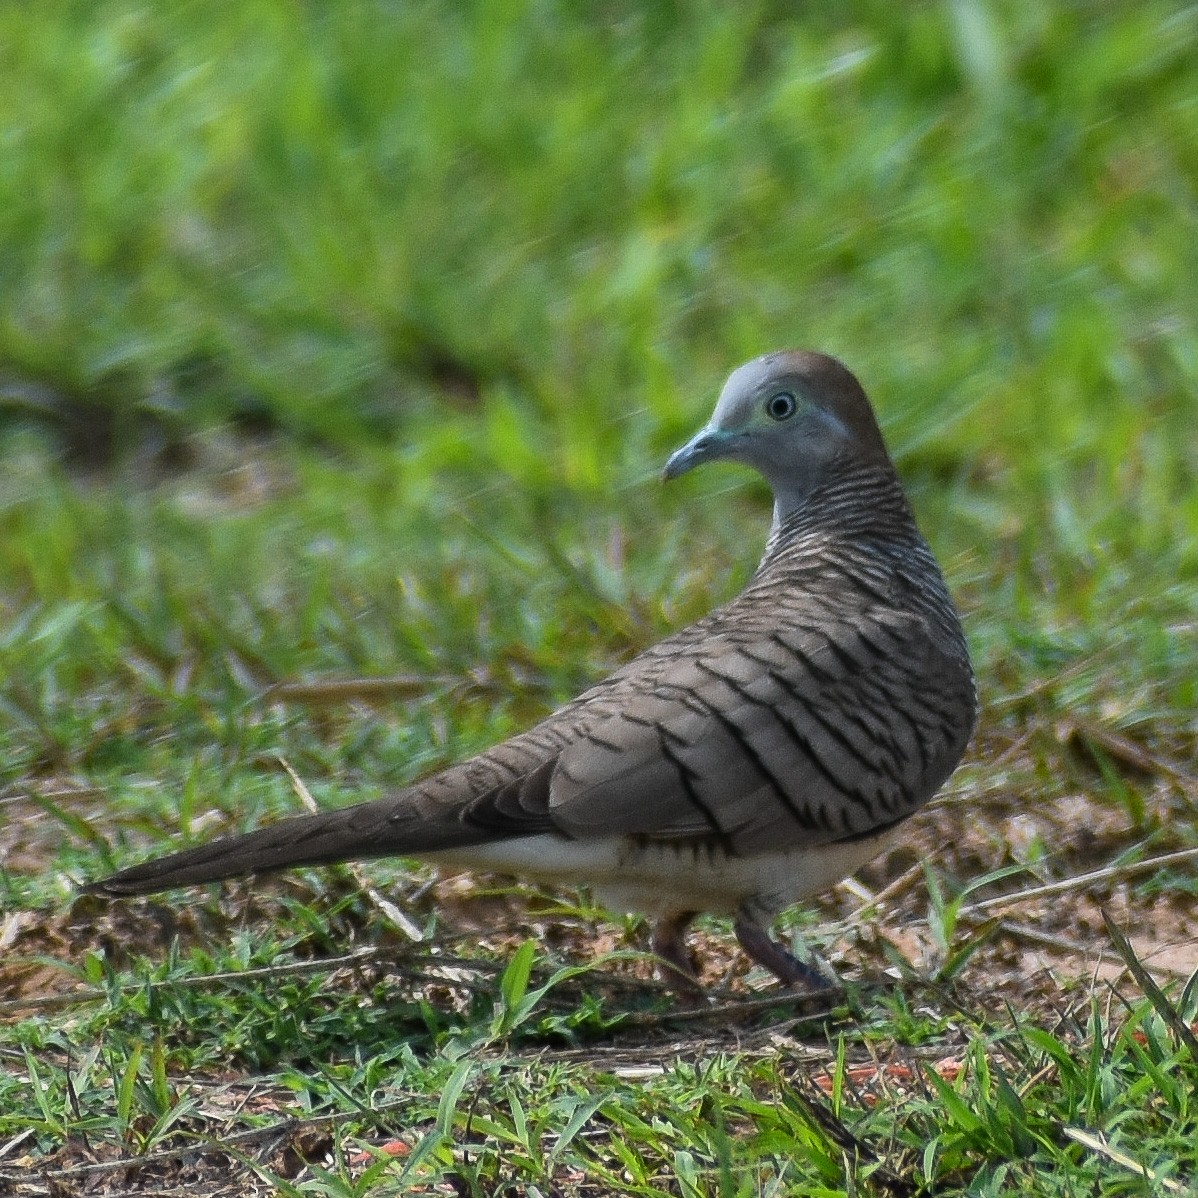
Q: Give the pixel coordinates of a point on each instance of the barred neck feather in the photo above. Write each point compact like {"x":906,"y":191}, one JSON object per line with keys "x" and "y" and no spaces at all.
{"x":859,"y":525}
{"x":862,"y":503}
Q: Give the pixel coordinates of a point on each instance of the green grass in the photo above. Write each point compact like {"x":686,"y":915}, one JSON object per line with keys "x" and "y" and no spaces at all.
{"x":347,"y":341}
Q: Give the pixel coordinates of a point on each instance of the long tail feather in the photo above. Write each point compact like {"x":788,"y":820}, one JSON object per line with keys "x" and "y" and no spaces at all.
{"x":388,"y":828}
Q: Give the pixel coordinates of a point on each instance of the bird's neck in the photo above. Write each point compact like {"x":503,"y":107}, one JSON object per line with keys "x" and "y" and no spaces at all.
{"x":865,"y":503}
{"x":783,"y":506}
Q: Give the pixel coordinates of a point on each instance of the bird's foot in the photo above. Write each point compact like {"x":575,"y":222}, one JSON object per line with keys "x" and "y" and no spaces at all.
{"x":785,"y":966}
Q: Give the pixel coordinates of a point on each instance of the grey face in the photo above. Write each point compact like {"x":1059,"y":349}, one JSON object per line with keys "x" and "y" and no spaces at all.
{"x":784,"y":415}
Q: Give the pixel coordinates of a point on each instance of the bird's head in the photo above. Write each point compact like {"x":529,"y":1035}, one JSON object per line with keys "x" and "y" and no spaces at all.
{"x":795,"y":416}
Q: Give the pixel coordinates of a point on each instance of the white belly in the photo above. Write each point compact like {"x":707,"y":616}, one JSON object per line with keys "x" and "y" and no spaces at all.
{"x":659,"y":879}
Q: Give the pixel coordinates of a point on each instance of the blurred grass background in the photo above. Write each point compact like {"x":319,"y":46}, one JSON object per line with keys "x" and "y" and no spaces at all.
{"x":347,"y":339}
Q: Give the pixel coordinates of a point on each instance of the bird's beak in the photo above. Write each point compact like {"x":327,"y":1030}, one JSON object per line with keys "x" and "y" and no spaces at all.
{"x":706,"y":445}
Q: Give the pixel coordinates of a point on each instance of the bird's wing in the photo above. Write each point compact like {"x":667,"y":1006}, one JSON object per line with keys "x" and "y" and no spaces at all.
{"x":797,"y":736}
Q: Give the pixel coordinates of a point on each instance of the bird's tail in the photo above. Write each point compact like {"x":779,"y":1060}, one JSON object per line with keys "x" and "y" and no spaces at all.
{"x":387,"y":828}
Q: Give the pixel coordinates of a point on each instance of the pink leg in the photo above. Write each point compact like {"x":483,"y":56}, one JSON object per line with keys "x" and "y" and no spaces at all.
{"x":669,"y":943}
{"x":783,"y":965}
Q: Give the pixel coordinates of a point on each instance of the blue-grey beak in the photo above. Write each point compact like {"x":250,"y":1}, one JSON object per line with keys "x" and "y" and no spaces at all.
{"x":706,"y":445}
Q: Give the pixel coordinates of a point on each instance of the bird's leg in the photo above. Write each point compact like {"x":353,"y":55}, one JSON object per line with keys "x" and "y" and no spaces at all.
{"x":783,"y":965}
{"x":669,"y":944}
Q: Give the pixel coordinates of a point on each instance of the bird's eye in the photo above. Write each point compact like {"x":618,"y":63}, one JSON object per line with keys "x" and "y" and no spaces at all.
{"x":781,"y":406}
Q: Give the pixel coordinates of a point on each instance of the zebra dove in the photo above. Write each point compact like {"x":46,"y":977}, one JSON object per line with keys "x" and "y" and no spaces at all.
{"x":756,"y":757}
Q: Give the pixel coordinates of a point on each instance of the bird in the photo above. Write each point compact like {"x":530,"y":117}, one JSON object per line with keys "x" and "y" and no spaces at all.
{"x":754,"y":758}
